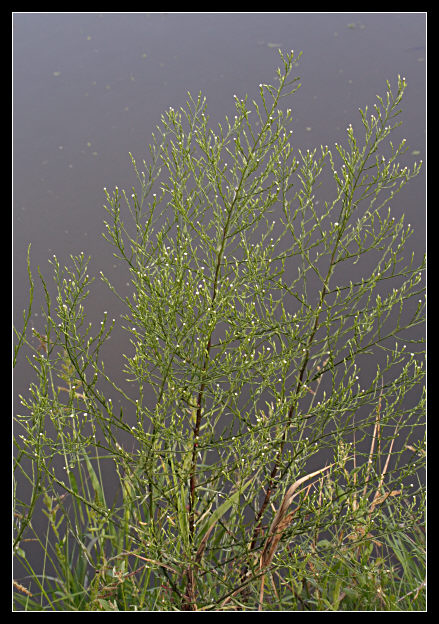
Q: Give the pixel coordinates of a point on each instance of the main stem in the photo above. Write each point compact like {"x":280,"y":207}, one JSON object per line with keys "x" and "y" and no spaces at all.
{"x":189,"y":600}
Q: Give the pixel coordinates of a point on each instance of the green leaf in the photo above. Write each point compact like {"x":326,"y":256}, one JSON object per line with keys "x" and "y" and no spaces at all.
{"x":95,"y":482}
{"x":222,"y":509}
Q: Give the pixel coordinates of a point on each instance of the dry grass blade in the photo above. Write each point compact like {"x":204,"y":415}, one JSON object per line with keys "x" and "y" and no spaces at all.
{"x":203,"y":543}
{"x":21,"y":588}
{"x":378,"y":500}
{"x":375,"y":436}
{"x":280,"y":522}
{"x":282,"y":519}
{"x":153,"y":561}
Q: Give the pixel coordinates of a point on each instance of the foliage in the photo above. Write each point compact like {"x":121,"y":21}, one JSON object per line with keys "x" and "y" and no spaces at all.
{"x":259,"y":464}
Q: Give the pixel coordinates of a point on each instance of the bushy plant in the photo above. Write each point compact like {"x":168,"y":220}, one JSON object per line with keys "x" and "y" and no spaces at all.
{"x":259,"y":464}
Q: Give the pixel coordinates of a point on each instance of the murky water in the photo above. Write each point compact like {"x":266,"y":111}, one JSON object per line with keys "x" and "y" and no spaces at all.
{"x":89,"y":88}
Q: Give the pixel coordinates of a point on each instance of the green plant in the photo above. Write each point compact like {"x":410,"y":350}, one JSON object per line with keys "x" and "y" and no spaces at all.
{"x":259,"y":466}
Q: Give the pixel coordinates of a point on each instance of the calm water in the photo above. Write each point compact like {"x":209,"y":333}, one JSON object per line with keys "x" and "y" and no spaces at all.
{"x":89,"y":88}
